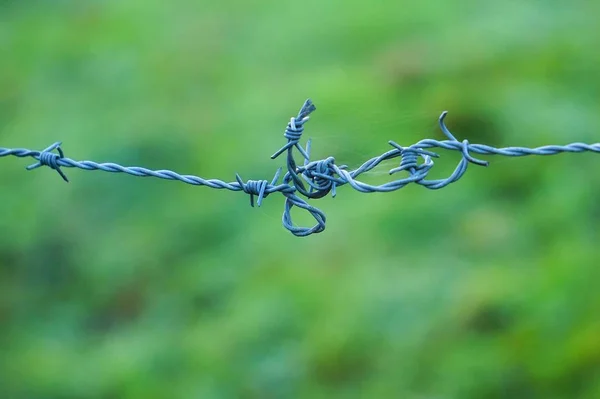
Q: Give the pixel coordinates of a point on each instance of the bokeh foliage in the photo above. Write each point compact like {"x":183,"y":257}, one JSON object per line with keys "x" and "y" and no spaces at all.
{"x":120,"y":287}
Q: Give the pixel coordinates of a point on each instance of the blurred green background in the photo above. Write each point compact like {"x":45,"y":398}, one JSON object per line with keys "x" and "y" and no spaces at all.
{"x":114,"y":286}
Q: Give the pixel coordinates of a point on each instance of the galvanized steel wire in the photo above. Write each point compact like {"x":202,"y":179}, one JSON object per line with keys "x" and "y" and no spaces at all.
{"x":316,"y":179}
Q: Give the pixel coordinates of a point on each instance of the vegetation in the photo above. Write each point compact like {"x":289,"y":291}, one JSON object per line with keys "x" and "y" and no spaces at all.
{"x":114,"y":286}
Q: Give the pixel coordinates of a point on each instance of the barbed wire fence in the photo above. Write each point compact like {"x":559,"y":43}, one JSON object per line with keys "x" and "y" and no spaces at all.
{"x":316,"y":179}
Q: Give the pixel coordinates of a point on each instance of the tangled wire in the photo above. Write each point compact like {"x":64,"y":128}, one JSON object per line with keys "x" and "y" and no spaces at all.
{"x":316,"y":179}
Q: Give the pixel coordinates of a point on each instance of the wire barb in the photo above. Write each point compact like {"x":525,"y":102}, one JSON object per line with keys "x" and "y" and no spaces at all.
{"x":48,"y":158}
{"x":258,"y":187}
{"x":410,"y":157}
{"x":317,"y":178}
{"x":294,"y":129}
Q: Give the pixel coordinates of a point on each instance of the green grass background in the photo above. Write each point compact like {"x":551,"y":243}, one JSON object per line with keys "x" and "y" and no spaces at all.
{"x":120,"y":287}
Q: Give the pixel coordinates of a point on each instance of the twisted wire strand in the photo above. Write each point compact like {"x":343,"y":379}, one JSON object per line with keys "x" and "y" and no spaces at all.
{"x":316,"y":179}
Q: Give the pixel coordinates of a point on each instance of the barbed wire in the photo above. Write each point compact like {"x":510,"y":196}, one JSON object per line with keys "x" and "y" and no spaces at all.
{"x":316,"y":179}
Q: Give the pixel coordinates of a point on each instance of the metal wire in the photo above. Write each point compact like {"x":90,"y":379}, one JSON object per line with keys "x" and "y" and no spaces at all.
{"x":316,"y":179}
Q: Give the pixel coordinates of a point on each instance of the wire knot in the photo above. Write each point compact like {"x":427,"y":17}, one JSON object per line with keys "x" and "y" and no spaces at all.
{"x":319,"y":176}
{"x":48,"y":158}
{"x":299,"y":231}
